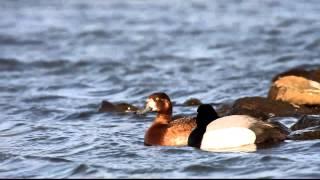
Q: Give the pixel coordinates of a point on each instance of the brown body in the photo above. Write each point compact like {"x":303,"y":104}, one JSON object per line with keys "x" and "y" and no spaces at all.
{"x":164,"y":131}
{"x":169,"y":133}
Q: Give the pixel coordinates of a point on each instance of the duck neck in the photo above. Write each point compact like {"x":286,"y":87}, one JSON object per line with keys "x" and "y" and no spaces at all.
{"x":196,"y":137}
{"x":201,"y":129}
{"x":163,"y":118}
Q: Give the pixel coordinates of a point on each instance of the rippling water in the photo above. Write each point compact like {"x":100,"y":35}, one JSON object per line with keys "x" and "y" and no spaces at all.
{"x":60,"y":59}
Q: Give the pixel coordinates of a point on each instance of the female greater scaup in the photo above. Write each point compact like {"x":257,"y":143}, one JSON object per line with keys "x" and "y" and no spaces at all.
{"x":164,"y":130}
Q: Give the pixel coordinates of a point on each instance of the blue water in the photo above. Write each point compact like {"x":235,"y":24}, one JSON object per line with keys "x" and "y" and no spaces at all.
{"x":60,"y":59}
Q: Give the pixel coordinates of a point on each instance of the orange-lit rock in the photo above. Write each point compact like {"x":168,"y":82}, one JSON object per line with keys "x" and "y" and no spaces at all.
{"x":295,"y":90}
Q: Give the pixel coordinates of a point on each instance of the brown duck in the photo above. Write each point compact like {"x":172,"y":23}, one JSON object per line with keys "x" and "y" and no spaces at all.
{"x":166,"y":131}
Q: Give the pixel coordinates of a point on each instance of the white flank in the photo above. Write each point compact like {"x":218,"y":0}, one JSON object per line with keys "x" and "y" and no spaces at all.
{"x":227,"y":138}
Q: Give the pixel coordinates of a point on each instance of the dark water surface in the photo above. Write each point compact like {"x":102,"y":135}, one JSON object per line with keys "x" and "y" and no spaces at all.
{"x":60,"y":59}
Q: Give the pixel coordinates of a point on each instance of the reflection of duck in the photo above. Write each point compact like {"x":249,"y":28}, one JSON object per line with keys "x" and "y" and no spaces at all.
{"x":164,"y":130}
{"x":296,"y":90}
{"x":232,"y":131}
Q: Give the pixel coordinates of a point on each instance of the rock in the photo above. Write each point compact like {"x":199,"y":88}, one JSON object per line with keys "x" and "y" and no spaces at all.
{"x":264,"y":108}
{"x":306,"y":121}
{"x":192,"y":102}
{"x":295,"y":90}
{"x":308,"y":73}
{"x":223,"y":109}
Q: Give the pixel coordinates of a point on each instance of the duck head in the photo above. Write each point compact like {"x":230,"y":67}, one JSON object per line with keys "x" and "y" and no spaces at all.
{"x":157,"y":102}
{"x":206,"y":114}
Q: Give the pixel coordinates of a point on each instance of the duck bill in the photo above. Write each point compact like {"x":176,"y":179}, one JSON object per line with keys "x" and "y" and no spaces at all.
{"x":144,"y":111}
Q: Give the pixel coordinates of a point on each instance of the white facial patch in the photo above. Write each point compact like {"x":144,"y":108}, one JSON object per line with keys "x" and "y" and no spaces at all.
{"x":151,"y":104}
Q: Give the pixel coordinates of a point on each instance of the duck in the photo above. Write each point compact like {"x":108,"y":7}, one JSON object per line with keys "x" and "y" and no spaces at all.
{"x":213,"y":132}
{"x":165,"y":130}
{"x":107,"y":106}
{"x":295,"y":90}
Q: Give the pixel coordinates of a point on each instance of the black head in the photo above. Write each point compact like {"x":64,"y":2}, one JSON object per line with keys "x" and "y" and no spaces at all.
{"x":206,"y":114}
{"x":158,"y":102}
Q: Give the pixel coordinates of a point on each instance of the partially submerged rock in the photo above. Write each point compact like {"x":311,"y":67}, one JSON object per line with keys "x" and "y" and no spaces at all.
{"x":295,"y":90}
{"x":107,"y":106}
{"x":264,"y":108}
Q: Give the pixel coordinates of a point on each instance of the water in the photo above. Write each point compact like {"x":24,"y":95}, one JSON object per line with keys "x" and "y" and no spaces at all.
{"x":60,"y":59}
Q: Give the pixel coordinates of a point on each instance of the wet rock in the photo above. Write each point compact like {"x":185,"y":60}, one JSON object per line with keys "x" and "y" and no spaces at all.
{"x":295,"y":90}
{"x":306,"y":121}
{"x":306,"y":134}
{"x":223,"y":109}
{"x":107,"y":106}
{"x":264,"y":108}
{"x":309,"y":73}
{"x":192,"y":102}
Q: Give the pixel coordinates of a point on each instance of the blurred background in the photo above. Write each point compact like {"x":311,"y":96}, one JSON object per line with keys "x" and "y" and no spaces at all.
{"x":60,"y":59}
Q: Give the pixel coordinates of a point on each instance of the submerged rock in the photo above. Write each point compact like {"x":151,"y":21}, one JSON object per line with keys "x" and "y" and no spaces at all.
{"x":192,"y":102}
{"x":107,"y":106}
